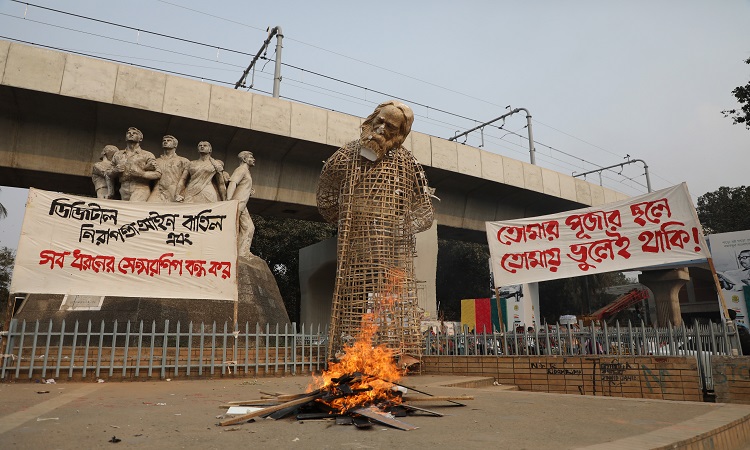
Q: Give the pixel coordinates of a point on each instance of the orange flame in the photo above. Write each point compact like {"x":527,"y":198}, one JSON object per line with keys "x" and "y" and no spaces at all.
{"x":375,"y":363}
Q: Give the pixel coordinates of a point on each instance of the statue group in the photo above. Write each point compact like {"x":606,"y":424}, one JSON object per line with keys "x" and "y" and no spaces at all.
{"x":134,"y":174}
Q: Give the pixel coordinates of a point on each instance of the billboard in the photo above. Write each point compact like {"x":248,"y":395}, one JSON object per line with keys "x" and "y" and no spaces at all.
{"x":83,"y":246}
{"x":656,"y":228}
{"x":731,"y":256}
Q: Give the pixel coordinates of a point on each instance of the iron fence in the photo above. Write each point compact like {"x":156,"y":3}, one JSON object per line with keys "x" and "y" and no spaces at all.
{"x":132,"y":351}
{"x":34,"y":350}
{"x":699,"y":341}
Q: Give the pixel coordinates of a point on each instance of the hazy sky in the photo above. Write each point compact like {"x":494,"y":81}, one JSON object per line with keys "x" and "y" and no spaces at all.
{"x":602,"y":80}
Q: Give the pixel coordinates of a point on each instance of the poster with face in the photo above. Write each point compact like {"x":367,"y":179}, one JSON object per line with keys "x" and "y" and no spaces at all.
{"x":731,"y":255}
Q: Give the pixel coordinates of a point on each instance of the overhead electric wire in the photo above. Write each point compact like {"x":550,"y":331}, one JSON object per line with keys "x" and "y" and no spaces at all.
{"x":340,"y":54}
{"x":121,"y":40}
{"x":286,"y":64}
{"x":133,"y":28}
{"x":115,"y":60}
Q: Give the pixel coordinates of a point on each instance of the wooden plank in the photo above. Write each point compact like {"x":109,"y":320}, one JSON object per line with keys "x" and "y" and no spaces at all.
{"x":262,"y":402}
{"x":271,"y":409}
{"x":445,"y":398}
{"x":378,"y":416}
{"x":426,"y":411}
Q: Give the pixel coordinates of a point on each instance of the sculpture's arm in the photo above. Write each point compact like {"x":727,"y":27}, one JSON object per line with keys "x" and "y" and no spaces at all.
{"x":422,"y":213}
{"x":178,"y":197}
{"x":329,"y":186}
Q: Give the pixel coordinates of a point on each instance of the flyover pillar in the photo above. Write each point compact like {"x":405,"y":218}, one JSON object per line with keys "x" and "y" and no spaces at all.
{"x":666,"y":284}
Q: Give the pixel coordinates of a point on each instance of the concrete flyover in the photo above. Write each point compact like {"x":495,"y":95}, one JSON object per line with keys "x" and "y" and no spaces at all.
{"x":57,"y":111}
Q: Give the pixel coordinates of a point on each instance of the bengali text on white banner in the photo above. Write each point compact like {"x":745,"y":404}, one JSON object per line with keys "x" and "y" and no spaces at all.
{"x":656,"y":228}
{"x":84,"y":246}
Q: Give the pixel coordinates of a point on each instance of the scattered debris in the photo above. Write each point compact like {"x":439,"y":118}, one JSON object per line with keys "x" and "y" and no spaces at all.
{"x":42,"y":392}
{"x":99,"y":380}
{"x":115,"y":440}
{"x":42,"y":419}
{"x":241,"y":410}
{"x":50,"y":381}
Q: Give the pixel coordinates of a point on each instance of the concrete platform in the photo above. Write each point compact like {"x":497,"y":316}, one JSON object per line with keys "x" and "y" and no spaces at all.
{"x":183,"y":414}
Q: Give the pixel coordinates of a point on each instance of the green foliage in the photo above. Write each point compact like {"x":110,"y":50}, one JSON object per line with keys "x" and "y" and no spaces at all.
{"x":725,"y":209}
{"x":278,"y":241}
{"x":742,"y":94}
{"x":568,"y":295}
{"x":7,"y":257}
{"x":462,"y":272}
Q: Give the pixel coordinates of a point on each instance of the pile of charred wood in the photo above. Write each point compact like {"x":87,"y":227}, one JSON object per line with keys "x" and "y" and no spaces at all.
{"x":347,"y":400}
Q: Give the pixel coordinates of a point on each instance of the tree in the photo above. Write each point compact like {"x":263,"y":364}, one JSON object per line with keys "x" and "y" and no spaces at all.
{"x":568,"y":295}
{"x":7,"y":258}
{"x":725,"y":210}
{"x":462,"y":272}
{"x":742,"y":93}
{"x":278,"y":241}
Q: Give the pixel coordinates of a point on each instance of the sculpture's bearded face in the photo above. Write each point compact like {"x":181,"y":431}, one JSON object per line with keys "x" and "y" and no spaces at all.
{"x":382,"y":133}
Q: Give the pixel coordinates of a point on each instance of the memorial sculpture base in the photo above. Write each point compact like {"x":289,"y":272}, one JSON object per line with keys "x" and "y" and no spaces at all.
{"x":259,"y":302}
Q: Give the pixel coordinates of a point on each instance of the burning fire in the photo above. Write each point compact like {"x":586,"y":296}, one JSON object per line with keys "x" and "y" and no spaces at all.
{"x":363,"y":376}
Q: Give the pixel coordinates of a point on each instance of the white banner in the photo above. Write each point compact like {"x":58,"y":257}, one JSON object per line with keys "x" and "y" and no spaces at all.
{"x":85,"y":246}
{"x":657,"y":228}
{"x":731,"y":255}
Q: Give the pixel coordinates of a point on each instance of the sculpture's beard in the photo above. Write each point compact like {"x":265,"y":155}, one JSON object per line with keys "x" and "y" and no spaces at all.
{"x":375,"y":145}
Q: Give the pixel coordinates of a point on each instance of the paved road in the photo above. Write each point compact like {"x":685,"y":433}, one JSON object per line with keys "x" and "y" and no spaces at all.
{"x":183,"y":414}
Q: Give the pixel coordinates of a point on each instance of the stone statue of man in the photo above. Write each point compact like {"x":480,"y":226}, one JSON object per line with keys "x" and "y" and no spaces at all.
{"x":134,"y":168}
{"x":100,"y":173}
{"x":377,"y":193}
{"x":171,"y":166}
{"x":241,"y":188}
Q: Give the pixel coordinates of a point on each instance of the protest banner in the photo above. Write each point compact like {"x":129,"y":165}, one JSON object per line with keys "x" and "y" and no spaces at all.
{"x":85,"y":246}
{"x":652,"y":229}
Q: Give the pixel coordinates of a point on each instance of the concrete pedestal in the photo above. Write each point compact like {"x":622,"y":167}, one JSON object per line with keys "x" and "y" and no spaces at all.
{"x":666,"y":284}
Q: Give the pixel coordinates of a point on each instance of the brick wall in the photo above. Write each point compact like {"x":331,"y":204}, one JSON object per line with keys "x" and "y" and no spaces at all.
{"x":731,"y":378}
{"x":667,"y":378}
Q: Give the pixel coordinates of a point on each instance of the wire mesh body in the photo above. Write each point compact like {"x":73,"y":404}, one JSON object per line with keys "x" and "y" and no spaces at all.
{"x":379,"y":207}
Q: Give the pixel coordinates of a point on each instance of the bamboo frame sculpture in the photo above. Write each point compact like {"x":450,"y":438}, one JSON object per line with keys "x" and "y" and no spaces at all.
{"x":377,"y":193}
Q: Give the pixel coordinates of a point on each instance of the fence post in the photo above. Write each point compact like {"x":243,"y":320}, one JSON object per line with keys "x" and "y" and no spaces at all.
{"x":46,"y":350}
{"x":113,"y":350}
{"x":99,"y":350}
{"x":127,"y":345}
{"x":164,"y":346}
{"x":151,"y":349}
{"x":177,"y":351}
{"x":33,"y":349}
{"x":73,"y":349}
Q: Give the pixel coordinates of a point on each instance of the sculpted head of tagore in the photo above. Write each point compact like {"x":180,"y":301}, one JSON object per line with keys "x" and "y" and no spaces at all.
{"x":385,"y":129}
